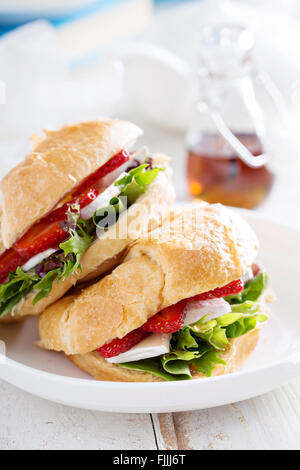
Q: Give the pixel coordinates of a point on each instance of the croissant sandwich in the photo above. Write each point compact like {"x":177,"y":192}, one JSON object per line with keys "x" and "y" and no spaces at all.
{"x":68,"y":211}
{"x":187,"y":302}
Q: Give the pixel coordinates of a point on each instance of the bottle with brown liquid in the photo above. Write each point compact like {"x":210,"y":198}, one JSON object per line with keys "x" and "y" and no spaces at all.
{"x":227,"y":161}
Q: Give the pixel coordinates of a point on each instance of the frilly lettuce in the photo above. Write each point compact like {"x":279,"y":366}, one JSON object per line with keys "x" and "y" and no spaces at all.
{"x":199,"y":345}
{"x":208,"y":362}
{"x":132,"y":185}
{"x":73,"y":248}
{"x":137,"y":182}
{"x":21,"y":283}
{"x":82,"y":234}
{"x":252,"y":290}
{"x":154,"y":366}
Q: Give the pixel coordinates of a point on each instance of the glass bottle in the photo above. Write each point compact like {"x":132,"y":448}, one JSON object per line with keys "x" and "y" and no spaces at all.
{"x":226,"y":144}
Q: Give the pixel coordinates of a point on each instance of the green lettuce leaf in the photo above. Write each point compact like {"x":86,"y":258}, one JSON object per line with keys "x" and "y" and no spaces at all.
{"x":154,"y":366}
{"x":44,"y":286}
{"x":249,"y":307}
{"x":216,"y":337}
{"x":132,"y":185}
{"x":252,"y":290}
{"x":228,"y":319}
{"x":137,"y":182}
{"x":201,"y":343}
{"x":208,"y":362}
{"x":107,"y":216}
{"x":19,"y":285}
{"x":179,"y":356}
{"x":172,"y":364}
{"x":213,"y":332}
{"x":203,"y":325}
{"x":82,"y":235}
{"x":127,"y":179}
{"x":204,"y":356}
{"x":231,"y":325}
{"x":73,"y":249}
{"x":183,"y":340}
{"x":244,"y":325}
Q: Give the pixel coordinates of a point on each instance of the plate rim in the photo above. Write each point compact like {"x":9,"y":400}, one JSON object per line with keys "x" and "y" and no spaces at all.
{"x":98,"y":383}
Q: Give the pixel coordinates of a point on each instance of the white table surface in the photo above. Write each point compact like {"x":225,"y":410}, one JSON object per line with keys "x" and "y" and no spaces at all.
{"x":267,"y":422}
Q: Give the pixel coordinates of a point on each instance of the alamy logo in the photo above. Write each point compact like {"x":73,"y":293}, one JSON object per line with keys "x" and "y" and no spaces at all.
{"x":2,"y":352}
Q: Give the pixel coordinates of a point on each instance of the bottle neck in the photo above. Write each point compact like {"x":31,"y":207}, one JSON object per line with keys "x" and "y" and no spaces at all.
{"x":236,"y":101}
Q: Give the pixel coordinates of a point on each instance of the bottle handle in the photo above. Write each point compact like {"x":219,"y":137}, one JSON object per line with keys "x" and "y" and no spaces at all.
{"x":245,"y":155}
{"x":275,"y":95}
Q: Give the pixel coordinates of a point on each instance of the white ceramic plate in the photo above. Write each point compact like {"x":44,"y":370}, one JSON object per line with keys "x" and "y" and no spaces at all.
{"x":275,"y":361}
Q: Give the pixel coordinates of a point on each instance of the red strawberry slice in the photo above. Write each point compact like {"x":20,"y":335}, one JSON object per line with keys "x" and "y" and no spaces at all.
{"x":47,"y":233}
{"x":83,"y":201}
{"x":84,"y":194}
{"x":9,"y":261}
{"x":43,"y":235}
{"x":118,"y":346}
{"x":233,"y":287}
{"x":108,"y":167}
{"x":40,"y":237}
{"x":169,"y":320}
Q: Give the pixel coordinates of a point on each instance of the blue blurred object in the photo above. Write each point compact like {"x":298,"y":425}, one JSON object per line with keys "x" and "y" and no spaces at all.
{"x":174,"y":2}
{"x":62,"y":13}
{"x":14,"y":14}
{"x":86,"y":32}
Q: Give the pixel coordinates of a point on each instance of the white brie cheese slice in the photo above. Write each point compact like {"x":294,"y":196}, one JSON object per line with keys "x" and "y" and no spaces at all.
{"x":102,"y":200}
{"x":247,"y":276}
{"x":37,"y":259}
{"x":196,"y":309}
{"x":152,"y":346}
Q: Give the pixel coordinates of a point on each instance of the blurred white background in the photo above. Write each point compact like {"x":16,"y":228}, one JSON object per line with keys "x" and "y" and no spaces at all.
{"x":63,"y":71}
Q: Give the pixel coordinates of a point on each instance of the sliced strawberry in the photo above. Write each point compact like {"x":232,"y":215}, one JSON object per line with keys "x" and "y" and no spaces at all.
{"x":40,"y":237}
{"x":118,"y":346}
{"x":83,"y":201}
{"x":108,"y":167}
{"x":233,"y":287}
{"x":48,"y":233}
{"x":84,"y":194}
{"x":169,"y":320}
{"x":9,"y":261}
